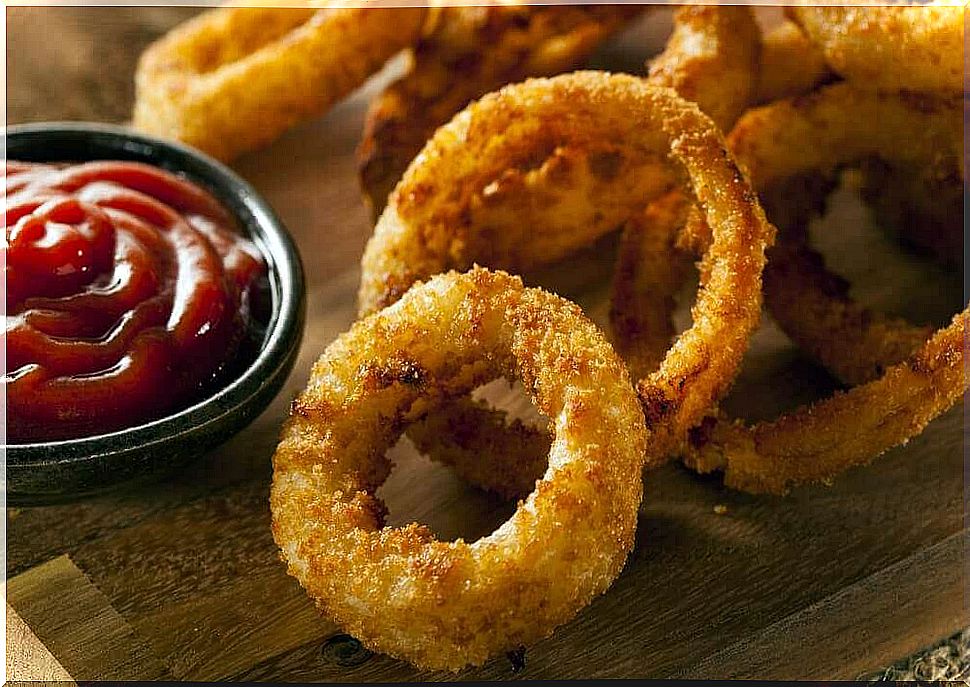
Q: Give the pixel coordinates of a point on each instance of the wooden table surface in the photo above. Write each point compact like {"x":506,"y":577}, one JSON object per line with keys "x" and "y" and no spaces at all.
{"x":181,"y":579}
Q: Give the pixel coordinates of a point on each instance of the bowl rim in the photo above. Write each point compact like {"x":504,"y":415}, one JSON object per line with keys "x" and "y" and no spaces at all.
{"x":287,"y":285}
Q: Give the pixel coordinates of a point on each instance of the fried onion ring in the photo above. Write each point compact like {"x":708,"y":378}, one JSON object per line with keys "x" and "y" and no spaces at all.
{"x":812,"y":306}
{"x":651,"y":268}
{"x":711,"y":58}
{"x":233,"y":79}
{"x":444,"y":605}
{"x":901,"y":49}
{"x":529,"y":174}
{"x":821,"y":133}
{"x":469,"y":52}
{"x":890,"y":48}
{"x":487,"y":449}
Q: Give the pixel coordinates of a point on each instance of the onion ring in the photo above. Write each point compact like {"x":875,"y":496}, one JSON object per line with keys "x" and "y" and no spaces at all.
{"x":486,"y":448}
{"x":812,"y":306}
{"x":469,"y":52}
{"x":539,"y":169}
{"x":651,"y":267}
{"x":444,"y":605}
{"x":235,"y":78}
{"x":711,"y":58}
{"x":901,"y":49}
{"x":890,"y":48}
{"x":816,"y":442}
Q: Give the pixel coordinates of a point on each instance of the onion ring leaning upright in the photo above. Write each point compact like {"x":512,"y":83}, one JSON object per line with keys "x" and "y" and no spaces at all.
{"x":466,"y":53}
{"x":711,"y":59}
{"x":820,"y":134}
{"x":233,"y":79}
{"x":908,"y":49}
{"x":445,"y":605}
{"x":532,"y":173}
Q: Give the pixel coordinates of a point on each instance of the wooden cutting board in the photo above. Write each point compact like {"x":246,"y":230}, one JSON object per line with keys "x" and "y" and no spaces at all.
{"x":181,"y":579}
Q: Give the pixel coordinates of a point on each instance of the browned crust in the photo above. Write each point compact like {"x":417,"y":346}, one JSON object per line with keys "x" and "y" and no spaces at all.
{"x":233,"y":79}
{"x":518,"y":178}
{"x":466,"y":53}
{"x":444,"y":605}
{"x":890,"y":48}
{"x":501,"y":455}
{"x":790,"y":64}
{"x":820,"y":133}
{"x":650,"y":269}
{"x":812,"y":305}
{"x":712,"y":58}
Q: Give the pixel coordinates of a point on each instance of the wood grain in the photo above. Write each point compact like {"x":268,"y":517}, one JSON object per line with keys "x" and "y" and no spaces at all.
{"x":184,"y":575}
{"x":900,"y":597}
{"x":67,"y":612}
{"x":27,"y":659}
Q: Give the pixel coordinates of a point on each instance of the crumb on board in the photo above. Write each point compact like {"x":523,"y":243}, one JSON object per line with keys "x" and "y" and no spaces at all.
{"x":720,"y":509}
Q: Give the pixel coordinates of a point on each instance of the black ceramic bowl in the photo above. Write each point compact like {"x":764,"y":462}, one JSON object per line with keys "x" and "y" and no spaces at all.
{"x":61,"y":470}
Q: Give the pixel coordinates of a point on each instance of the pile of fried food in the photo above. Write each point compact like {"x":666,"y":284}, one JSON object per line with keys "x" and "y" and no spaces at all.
{"x":486,"y":153}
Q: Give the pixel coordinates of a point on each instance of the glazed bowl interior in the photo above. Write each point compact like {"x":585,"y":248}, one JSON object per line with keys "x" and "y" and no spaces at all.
{"x":53,"y":471}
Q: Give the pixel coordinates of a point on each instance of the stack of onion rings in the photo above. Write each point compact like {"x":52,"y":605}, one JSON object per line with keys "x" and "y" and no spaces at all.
{"x":445,"y":605}
{"x":529,"y":174}
{"x":911,"y":382}
{"x":810,"y":303}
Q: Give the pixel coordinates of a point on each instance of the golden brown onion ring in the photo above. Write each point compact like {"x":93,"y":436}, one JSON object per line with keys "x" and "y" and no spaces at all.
{"x":445,"y":605}
{"x":890,"y":48}
{"x":816,"y":443}
{"x":651,"y":268}
{"x":813,"y":307}
{"x":854,"y":124}
{"x":233,"y":79}
{"x":820,"y":134}
{"x":530,"y":174}
{"x":487,"y":449}
{"x":711,"y":58}
{"x":468,"y":52}
{"x":912,"y":49}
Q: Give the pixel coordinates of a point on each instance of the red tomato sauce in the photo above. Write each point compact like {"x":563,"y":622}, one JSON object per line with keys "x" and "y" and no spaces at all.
{"x":128,"y":294}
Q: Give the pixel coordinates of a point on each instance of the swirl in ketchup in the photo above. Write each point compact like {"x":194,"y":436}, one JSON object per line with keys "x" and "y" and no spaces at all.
{"x":128,"y":295}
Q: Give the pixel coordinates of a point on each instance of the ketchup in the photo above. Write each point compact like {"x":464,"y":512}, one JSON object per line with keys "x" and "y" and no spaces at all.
{"x":128,"y":296}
